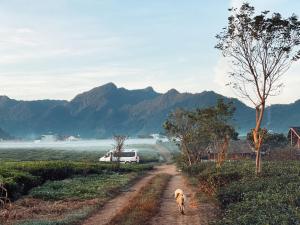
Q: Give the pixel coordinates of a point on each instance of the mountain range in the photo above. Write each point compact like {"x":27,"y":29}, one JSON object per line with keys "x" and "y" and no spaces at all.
{"x":107,"y":110}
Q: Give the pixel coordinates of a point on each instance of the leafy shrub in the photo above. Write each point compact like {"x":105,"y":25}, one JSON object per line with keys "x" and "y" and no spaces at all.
{"x":17,"y":182}
{"x":272,"y":198}
{"x":88,"y":187}
{"x":20,"y":177}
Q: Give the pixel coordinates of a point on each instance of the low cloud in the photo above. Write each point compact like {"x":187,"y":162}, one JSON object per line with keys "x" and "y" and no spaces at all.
{"x":19,"y":45}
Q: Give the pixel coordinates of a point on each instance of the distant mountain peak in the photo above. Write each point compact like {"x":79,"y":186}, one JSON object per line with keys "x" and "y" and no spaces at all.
{"x":172,"y":92}
{"x":106,"y":87}
{"x":149,"y":89}
{"x":4,"y":97}
{"x":110,"y":85}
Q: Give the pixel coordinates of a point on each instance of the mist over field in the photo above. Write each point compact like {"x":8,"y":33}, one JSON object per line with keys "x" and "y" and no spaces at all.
{"x":80,"y":145}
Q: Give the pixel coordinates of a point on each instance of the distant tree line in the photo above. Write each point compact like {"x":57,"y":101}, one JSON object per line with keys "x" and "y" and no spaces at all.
{"x":201,"y":131}
{"x":270,"y":141}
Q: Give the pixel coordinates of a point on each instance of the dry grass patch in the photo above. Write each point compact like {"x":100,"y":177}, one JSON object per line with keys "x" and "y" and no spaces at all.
{"x":38,"y":209}
{"x":145,"y":204}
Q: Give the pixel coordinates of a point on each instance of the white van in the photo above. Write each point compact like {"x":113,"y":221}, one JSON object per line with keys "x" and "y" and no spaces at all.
{"x":127,"y":156}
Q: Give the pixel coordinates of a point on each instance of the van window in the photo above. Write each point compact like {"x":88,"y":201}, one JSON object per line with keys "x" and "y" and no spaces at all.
{"x":127,"y":154}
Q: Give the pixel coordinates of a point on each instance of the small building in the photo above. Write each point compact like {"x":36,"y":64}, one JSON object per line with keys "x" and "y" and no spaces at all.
{"x":294,"y":136}
{"x":72,"y":138}
{"x":49,"y":137}
{"x":239,"y":149}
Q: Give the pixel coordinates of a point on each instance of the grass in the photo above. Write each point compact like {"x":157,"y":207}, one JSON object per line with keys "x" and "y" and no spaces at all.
{"x":81,"y":188}
{"x":145,"y":204}
{"x":272,"y":198}
{"x":49,"y":154}
{"x":70,"y":219}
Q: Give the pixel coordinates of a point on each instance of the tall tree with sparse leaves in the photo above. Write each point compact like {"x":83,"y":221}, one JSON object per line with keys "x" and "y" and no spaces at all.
{"x":261,"y":48}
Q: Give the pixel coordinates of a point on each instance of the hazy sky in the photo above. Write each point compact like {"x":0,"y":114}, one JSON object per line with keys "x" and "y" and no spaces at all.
{"x":59,"y":48}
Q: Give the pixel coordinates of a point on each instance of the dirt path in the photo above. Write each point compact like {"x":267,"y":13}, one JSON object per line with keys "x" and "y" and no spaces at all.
{"x":195,"y":214}
{"x":115,"y":205}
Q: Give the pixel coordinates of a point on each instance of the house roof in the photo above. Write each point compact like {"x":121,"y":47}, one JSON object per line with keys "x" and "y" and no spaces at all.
{"x":238,"y":147}
{"x":295,"y":130}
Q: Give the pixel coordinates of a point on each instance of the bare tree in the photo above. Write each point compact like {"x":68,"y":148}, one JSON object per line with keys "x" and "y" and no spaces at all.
{"x":119,"y":146}
{"x":261,"y":49}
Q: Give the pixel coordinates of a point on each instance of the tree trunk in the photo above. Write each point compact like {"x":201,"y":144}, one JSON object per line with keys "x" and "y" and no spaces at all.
{"x":258,"y":162}
{"x":222,"y":152}
{"x":186,"y":152}
{"x":258,"y":137}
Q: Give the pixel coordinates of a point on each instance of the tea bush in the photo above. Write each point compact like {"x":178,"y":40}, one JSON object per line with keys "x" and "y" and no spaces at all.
{"x":20,"y":177}
{"x":88,"y":187}
{"x":272,"y":198}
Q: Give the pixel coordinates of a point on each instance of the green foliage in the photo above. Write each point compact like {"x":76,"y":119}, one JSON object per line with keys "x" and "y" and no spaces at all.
{"x":19,"y":177}
{"x":49,"y":154}
{"x":17,"y":181}
{"x":272,"y":198}
{"x":261,"y":48}
{"x":200,"y":129}
{"x":270,"y":140}
{"x":88,"y":187}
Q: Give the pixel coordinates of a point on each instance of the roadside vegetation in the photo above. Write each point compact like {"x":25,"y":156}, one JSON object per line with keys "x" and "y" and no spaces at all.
{"x":81,"y":187}
{"x":272,"y":198}
{"x":49,"y":155}
{"x":145,"y":204}
{"x":62,"y":192}
{"x":68,"y":201}
{"x":19,"y":177}
{"x":51,"y":186}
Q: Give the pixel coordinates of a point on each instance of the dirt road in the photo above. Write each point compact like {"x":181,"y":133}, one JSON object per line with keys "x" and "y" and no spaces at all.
{"x":115,"y":205}
{"x":195,"y":214}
